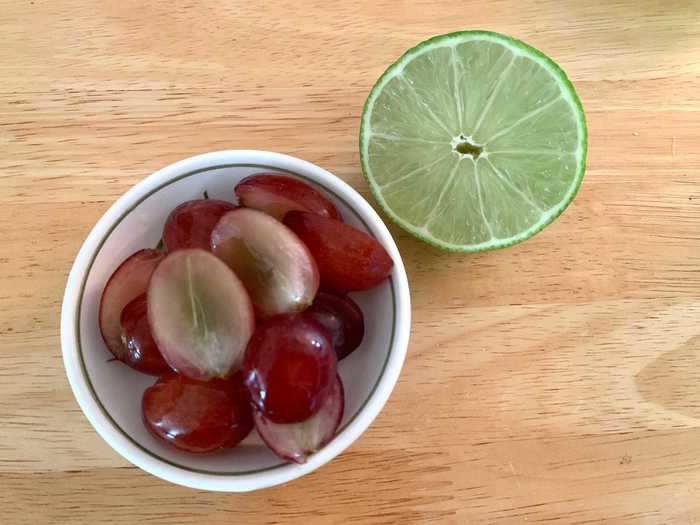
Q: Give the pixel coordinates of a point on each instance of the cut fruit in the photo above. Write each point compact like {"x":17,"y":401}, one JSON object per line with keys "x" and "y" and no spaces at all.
{"x":141,"y":353}
{"x":242,"y":422}
{"x":289,"y":368}
{"x":277,"y":194}
{"x":473,"y":141}
{"x":297,"y":441}
{"x":348,"y":259}
{"x":274,"y":265}
{"x":127,"y":282}
{"x":190,"y":224}
{"x":200,"y":314}
{"x":196,"y":416}
{"x":342,"y":320}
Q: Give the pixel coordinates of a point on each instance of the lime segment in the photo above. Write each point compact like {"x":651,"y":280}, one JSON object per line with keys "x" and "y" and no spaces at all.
{"x":473,"y":141}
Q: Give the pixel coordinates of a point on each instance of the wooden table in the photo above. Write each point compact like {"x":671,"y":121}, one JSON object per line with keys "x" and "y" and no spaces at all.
{"x":556,"y":380}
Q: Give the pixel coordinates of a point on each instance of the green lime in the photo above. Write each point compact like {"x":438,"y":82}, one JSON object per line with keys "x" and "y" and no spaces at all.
{"x":473,"y":141}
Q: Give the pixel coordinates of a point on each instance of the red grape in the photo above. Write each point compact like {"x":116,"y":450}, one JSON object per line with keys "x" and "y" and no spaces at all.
{"x":274,"y":265}
{"x":342,"y":320}
{"x":242,"y":410}
{"x":141,"y":353}
{"x":297,"y":441}
{"x":190,"y":224}
{"x":289,"y":368}
{"x":127,"y":282}
{"x":196,"y":416}
{"x":200,"y":314}
{"x":277,"y":194}
{"x":348,"y":259}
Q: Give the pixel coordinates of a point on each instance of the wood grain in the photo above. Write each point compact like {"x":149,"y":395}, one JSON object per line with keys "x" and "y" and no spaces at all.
{"x":553,"y":381}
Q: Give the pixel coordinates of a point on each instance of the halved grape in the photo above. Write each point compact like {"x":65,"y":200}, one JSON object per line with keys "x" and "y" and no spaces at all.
{"x":196,"y":416}
{"x":242,"y":422}
{"x":348,"y":259}
{"x":190,"y":224}
{"x":277,"y":194}
{"x":297,"y":441}
{"x":342,"y":320}
{"x":141,"y":352}
{"x":289,"y":368}
{"x":274,"y":265}
{"x":200,"y":314}
{"x":127,"y":282}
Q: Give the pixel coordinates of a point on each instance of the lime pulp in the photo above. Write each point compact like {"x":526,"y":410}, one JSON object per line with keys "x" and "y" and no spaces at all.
{"x":473,"y":141}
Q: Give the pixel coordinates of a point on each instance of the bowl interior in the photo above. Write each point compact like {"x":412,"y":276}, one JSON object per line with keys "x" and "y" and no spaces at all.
{"x":117,"y":389}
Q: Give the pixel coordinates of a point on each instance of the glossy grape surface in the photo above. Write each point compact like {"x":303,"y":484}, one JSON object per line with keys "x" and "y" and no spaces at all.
{"x":289,"y":367}
{"x":341,"y":318}
{"x":277,"y":194}
{"x":190,"y":224}
{"x":196,"y":416}
{"x":348,"y":259}
{"x":141,"y":353}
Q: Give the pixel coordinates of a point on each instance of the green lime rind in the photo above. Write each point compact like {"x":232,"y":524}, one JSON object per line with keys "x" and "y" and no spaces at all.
{"x":568,"y":92}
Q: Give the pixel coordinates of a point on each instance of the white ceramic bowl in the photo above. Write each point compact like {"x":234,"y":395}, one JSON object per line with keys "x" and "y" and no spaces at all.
{"x":109,"y":393}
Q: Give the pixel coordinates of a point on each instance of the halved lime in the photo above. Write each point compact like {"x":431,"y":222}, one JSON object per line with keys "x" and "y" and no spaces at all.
{"x":473,"y":141}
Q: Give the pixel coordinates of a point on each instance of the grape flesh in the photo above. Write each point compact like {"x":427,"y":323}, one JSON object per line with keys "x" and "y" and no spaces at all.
{"x":274,"y":265}
{"x":200,"y":314}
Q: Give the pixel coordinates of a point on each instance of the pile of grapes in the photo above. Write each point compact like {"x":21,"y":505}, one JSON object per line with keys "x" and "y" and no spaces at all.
{"x":243,"y":314}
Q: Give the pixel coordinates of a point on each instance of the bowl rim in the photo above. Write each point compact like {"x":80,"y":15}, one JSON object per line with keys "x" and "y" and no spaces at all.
{"x":71,"y":308}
